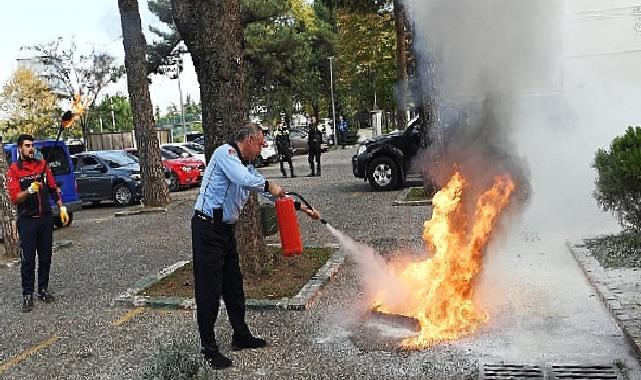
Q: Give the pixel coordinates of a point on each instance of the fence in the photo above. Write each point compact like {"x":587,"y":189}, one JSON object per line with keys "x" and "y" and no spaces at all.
{"x":121,"y":140}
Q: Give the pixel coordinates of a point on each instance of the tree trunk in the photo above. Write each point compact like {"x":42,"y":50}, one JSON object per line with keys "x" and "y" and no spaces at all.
{"x":402,"y":52}
{"x":154,"y":188}
{"x":213,"y":34}
{"x":8,"y":213}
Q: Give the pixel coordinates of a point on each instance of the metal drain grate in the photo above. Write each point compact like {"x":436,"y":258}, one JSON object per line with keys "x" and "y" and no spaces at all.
{"x":501,"y":371}
{"x":511,"y":371}
{"x":587,"y":372}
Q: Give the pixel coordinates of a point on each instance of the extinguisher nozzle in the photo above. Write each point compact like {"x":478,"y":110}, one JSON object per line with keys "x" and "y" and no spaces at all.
{"x":323,"y":221}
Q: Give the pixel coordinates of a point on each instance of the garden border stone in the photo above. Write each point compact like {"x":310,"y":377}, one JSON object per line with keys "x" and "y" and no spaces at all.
{"x":400,"y":201}
{"x":596,"y":276}
{"x":303,"y":300}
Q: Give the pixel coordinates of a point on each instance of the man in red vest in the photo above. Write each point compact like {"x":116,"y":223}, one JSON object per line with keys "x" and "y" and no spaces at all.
{"x":30,"y":184}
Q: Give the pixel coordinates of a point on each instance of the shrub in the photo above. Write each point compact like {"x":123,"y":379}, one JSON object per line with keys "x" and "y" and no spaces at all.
{"x":618,"y":186}
{"x":177,"y":361}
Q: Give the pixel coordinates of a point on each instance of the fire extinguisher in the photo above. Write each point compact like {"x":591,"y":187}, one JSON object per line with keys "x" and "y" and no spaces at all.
{"x":288,"y":227}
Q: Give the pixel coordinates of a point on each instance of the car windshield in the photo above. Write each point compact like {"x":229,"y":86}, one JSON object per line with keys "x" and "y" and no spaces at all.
{"x":116,"y":159}
{"x":168,"y":155}
{"x":195,"y":147}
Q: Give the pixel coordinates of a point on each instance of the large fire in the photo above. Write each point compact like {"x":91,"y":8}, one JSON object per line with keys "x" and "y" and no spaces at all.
{"x":439,"y":290}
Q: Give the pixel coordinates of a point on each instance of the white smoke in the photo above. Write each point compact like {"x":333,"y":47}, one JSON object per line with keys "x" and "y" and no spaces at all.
{"x":556,"y":87}
{"x":374,"y":271}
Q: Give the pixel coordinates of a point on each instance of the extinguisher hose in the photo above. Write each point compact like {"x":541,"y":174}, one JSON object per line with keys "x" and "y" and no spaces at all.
{"x":305,"y":202}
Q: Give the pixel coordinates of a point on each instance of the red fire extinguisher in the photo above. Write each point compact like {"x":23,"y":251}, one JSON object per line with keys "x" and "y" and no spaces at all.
{"x":290,"y":237}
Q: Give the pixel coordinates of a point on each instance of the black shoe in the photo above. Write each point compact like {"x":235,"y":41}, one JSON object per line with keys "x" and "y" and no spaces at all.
{"x":293,"y":176}
{"x":218,"y":360}
{"x":284,"y":175}
{"x":45,"y":296}
{"x":27,"y":303}
{"x":247,"y":342}
{"x":311,"y":175}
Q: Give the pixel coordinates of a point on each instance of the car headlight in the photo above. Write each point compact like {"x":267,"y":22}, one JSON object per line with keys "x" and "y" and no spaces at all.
{"x":186,"y":169}
{"x":135,"y":176}
{"x":361,"y":149}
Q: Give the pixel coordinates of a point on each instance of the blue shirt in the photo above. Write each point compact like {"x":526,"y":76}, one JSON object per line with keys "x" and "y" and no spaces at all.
{"x":226,"y":184}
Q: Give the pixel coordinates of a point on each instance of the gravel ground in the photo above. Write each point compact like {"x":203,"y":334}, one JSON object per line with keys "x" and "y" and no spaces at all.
{"x":331,"y":340}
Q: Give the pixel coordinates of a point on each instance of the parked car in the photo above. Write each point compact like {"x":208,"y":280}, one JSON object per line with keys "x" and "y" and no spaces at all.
{"x":108,"y":175}
{"x":186,"y":150}
{"x":384,"y":161}
{"x":181,"y":172}
{"x":62,"y":168}
{"x":298,"y":137}
{"x":268,"y":155}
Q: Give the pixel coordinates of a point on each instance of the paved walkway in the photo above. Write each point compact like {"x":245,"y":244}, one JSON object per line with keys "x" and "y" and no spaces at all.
{"x":542,"y":308}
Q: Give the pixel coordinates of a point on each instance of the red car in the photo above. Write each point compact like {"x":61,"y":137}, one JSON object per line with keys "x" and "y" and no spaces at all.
{"x":184,"y":171}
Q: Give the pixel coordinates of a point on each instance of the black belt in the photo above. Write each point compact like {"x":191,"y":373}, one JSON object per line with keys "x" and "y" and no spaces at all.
{"x":217,"y":216}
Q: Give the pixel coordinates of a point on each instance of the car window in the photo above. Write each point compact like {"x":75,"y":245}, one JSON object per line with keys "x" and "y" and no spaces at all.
{"x":85,"y":163}
{"x":116,"y":159}
{"x":196,"y":148}
{"x":168,"y":155}
{"x":58,"y":161}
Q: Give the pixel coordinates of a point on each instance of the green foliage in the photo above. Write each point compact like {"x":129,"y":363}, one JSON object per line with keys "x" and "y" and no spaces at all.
{"x":29,"y":106}
{"x":122,"y":115}
{"x":287,"y":56}
{"x":366,"y":62}
{"x":618,"y":186}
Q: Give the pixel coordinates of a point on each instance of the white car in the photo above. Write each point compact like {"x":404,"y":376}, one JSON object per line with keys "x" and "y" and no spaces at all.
{"x":186,"y":150}
{"x":268,"y":155}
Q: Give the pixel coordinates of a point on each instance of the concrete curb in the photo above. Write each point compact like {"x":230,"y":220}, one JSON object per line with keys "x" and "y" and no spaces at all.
{"x":400,"y":201}
{"x":596,"y":276}
{"x":301,"y":301}
{"x":140,"y":210}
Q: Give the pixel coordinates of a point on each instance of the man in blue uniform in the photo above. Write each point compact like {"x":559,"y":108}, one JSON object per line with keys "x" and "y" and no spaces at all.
{"x":226,"y":186}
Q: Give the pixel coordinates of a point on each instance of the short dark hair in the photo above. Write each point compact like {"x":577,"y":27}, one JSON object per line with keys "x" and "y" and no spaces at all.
{"x":23,"y":138}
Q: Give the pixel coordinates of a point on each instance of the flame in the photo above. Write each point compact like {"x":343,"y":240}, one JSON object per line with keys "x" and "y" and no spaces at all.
{"x":441,"y":288}
{"x":77,"y":109}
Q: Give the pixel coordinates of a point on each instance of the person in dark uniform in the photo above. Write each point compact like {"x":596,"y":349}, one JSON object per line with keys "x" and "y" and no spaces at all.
{"x":227,"y":183}
{"x":284,"y":148}
{"x":314,"y":140}
{"x":30,"y":184}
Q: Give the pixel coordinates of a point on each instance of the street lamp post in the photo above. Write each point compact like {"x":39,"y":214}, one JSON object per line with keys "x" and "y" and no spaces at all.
{"x":331,"y":86}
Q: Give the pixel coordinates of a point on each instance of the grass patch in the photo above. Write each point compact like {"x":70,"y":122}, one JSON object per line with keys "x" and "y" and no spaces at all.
{"x":416,"y":194}
{"x":284,"y":279}
{"x":617,"y":251}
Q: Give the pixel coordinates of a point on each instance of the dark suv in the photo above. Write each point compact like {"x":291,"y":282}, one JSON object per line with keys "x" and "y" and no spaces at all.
{"x":385,"y":160}
{"x":108,"y":175}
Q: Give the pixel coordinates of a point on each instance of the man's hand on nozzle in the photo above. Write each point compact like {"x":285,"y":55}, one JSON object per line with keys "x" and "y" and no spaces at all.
{"x":314,"y":214}
{"x":34,"y":188}
{"x":276,"y":190}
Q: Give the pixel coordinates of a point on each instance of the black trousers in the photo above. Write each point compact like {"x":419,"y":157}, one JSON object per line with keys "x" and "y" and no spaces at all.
{"x":285,"y":157}
{"x":36,"y":236}
{"x":314,"y":154}
{"x":216,"y":272}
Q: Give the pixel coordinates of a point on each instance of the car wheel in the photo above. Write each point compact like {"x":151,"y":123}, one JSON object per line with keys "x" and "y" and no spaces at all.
{"x":123,"y":195}
{"x":58,"y":223}
{"x":383,"y":174}
{"x":259,"y":162}
{"x":174,"y":183}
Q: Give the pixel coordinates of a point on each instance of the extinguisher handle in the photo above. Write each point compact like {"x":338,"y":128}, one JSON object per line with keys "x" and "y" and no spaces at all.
{"x":300,"y":197}
{"x":323,"y":221}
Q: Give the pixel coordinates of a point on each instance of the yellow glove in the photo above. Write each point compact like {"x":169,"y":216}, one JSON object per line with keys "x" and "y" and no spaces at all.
{"x":34,"y":188}
{"x":64,"y":216}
